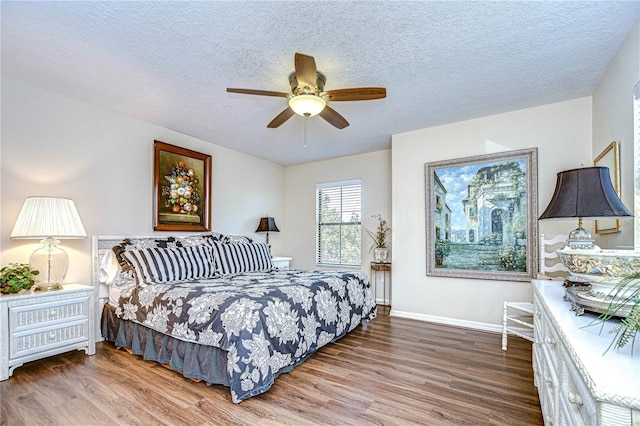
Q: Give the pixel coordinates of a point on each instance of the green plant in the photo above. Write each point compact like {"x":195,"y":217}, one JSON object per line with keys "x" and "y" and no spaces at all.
{"x":15,"y":277}
{"x":381,"y":235}
{"x":442,"y":250}
{"x":626,"y":293}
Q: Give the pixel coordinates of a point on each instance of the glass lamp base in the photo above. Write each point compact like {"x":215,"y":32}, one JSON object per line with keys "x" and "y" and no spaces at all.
{"x":51,"y":262}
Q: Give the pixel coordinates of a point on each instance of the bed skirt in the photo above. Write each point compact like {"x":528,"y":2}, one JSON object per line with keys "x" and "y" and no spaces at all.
{"x":192,"y":360}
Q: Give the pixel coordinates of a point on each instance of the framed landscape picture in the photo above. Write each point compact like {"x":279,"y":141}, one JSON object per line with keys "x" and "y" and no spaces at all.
{"x":182,"y":183}
{"x":481,"y":216}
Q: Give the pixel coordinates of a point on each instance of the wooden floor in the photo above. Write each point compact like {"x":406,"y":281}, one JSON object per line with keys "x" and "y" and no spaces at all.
{"x":392,"y":371}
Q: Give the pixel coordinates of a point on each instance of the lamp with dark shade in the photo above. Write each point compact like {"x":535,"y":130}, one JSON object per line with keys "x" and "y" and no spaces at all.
{"x":267,"y":224}
{"x":584,"y":193}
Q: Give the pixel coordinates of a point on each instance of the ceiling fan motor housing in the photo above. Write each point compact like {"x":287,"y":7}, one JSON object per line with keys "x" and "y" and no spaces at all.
{"x":320,"y":82}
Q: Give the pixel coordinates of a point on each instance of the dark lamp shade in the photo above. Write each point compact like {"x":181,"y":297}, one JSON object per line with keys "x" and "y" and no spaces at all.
{"x":267,"y":224}
{"x":585,"y":193}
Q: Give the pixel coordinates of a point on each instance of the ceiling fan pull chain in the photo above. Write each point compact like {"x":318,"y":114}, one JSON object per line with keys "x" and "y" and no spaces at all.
{"x":305,"y":132}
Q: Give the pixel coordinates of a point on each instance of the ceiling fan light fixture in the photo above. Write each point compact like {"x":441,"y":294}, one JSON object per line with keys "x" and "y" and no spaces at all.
{"x":307,"y":105}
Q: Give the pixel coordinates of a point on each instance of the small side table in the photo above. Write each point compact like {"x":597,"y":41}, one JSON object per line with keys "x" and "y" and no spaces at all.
{"x":281,"y":262}
{"x":385,"y":268}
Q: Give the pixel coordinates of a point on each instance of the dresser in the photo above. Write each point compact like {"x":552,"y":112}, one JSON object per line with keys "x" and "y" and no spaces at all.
{"x":36,"y":325}
{"x":578,"y":383}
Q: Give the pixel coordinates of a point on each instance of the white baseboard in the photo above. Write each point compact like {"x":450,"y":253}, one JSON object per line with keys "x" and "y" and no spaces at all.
{"x":493,"y":328}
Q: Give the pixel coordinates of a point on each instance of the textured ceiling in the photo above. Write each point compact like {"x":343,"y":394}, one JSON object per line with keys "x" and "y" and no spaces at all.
{"x":169,"y":63}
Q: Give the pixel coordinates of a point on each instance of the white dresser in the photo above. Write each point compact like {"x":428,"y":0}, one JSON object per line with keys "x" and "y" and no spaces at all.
{"x":577,"y":382}
{"x":36,"y":325}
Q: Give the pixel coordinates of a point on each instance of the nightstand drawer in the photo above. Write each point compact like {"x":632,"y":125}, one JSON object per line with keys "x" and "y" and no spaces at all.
{"x":27,"y":317}
{"x":281,"y":262}
{"x":33,"y":341}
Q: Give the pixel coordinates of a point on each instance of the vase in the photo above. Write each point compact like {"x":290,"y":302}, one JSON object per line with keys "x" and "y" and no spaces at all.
{"x":380,"y":254}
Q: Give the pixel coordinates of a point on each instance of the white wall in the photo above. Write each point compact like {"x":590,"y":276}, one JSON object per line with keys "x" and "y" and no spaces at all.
{"x":374,"y":169}
{"x":613,"y":120}
{"x":56,"y":146}
{"x":562,"y":134}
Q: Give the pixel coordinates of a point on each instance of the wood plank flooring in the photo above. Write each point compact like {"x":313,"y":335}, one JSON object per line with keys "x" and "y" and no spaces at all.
{"x":392,"y":371}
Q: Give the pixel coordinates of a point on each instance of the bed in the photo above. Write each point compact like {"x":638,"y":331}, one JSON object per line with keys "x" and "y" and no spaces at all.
{"x":214,"y":308}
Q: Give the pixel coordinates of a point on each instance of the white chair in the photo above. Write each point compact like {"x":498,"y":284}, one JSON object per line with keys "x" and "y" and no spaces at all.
{"x":550,"y":264}
{"x":517,"y":317}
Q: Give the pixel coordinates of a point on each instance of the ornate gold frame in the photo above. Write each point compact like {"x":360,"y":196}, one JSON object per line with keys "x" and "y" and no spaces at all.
{"x":610,"y":158}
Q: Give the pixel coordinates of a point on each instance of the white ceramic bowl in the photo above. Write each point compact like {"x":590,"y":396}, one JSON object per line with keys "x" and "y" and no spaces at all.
{"x":601,"y":268}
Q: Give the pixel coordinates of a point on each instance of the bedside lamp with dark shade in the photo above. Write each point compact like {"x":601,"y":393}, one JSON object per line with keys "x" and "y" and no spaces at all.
{"x":267,"y":224}
{"x":584,"y":193}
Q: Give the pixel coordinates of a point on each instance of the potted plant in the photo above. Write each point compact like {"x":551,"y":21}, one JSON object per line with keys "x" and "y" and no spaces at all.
{"x":380,"y":237}
{"x":442,"y":251}
{"x":16,"y":277}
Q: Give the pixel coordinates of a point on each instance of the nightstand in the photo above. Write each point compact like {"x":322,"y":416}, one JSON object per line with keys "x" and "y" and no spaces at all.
{"x":281,"y":262}
{"x":37,"y":325}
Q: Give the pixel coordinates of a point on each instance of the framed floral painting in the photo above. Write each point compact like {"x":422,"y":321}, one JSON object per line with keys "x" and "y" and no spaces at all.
{"x":182,"y":189}
{"x":481,"y":216}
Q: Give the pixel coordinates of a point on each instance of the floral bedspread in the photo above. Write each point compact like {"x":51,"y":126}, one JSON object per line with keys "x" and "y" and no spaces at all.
{"x":266,"y":321}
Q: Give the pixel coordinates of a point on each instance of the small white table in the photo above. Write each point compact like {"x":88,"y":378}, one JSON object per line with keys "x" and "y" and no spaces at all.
{"x":280,"y":262}
{"x":39,"y":324}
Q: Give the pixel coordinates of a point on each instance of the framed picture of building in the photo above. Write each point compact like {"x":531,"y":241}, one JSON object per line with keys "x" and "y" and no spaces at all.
{"x":181,"y":193}
{"x":481,"y":216}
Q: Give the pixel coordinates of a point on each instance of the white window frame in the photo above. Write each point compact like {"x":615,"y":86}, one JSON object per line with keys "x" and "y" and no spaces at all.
{"x":338,"y":184}
{"x":636,"y":164}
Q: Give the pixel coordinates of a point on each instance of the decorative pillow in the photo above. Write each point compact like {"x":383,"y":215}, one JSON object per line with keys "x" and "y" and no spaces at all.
{"x":138,"y":244}
{"x":236,"y":258}
{"x":159,"y":265}
{"x":196,"y":240}
{"x":235,"y":239}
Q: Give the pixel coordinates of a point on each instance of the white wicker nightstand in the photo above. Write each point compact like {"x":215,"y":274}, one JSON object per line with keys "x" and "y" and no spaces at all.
{"x":280,"y":262}
{"x":36,"y":325}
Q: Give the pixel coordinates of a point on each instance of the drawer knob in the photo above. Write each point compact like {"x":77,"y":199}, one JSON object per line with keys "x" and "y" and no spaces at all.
{"x":551,"y":341}
{"x":574,"y":398}
{"x":52,"y":335}
{"x":549,"y":381}
{"x":53,"y":313}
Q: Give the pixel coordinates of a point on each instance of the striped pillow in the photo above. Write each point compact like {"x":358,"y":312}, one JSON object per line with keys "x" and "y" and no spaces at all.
{"x":236,"y":258}
{"x":159,"y":265}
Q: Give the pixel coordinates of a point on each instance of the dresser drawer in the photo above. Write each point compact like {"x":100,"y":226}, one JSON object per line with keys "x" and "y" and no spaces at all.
{"x":576,"y":395}
{"x":28,"y":317}
{"x":34,"y":341}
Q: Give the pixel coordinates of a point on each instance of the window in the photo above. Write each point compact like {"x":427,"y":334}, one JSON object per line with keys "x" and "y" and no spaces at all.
{"x":636,"y":163}
{"x":338,"y":226}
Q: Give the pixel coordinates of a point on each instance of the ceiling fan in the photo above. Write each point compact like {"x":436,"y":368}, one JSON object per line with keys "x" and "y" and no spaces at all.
{"x":308,"y":97}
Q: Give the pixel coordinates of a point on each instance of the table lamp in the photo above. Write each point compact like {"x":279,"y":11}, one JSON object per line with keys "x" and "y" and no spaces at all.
{"x":267,"y":224}
{"x":49,"y":218}
{"x":584,"y":193}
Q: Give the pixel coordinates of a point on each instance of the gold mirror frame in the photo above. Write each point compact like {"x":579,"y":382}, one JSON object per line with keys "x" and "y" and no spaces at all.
{"x":610,"y":158}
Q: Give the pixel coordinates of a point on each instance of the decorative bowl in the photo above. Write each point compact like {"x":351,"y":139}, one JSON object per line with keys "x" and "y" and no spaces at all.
{"x":603,"y":269}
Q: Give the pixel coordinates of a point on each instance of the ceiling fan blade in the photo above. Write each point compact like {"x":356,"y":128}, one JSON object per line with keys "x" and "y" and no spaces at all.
{"x":333,"y":117}
{"x":257,"y":92}
{"x":305,"y":70}
{"x":281,"y":118}
{"x":357,"y":94}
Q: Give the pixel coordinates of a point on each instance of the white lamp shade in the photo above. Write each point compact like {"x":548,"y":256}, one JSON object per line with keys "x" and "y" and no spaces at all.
{"x":307,"y":105}
{"x":43,"y":217}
